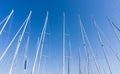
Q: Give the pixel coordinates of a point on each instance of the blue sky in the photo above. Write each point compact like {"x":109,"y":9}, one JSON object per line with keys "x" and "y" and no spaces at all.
{"x":53,"y":42}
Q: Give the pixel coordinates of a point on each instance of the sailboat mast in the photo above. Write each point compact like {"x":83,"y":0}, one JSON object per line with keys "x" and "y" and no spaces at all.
{"x":63,"y":66}
{"x":11,"y":42}
{"x":39,"y":43}
{"x":41,"y":48}
{"x":19,"y":43}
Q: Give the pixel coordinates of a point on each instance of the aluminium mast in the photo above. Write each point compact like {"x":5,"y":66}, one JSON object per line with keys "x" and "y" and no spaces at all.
{"x":19,"y":42}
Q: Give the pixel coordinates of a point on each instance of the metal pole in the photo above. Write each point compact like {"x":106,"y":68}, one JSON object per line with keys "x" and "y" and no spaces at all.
{"x":39,"y":44}
{"x":63,"y":69}
{"x":1,"y":57}
{"x":19,"y":43}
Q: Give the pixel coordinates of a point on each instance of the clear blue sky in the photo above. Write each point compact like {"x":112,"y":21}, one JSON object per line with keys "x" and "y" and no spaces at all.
{"x":53,"y":42}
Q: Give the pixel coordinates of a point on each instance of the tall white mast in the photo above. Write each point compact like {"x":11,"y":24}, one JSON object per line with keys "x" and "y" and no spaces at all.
{"x":41,"y":50}
{"x":63,"y":65}
{"x":102,"y":45}
{"x":39,"y":43}
{"x":19,"y":42}
{"x":6,"y":22}
{"x":42,"y":45}
{"x":11,"y":42}
{"x":91,"y":49}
